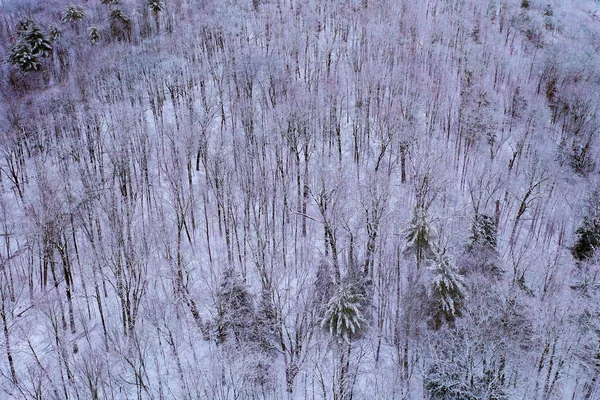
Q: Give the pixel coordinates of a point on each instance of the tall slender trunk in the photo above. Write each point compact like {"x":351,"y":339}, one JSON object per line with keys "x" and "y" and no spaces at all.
{"x":11,"y":365}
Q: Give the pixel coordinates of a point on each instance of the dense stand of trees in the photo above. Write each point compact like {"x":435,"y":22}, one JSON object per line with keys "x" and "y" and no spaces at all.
{"x":299,"y":199}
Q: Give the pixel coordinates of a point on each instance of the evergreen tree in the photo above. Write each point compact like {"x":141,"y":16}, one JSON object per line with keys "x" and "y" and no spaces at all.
{"x":25,"y":25}
{"x":55,"y":33}
{"x":345,"y":317}
{"x":120,"y":25}
{"x":156,"y":6}
{"x":420,"y":236}
{"x":588,"y":234}
{"x":588,"y":239}
{"x":446,"y":291}
{"x":37,"y":40}
{"x":484,"y":232}
{"x":31,"y":47}
{"x":22,"y":56}
{"x":73,"y":14}
{"x":481,"y":254}
{"x":236,"y":316}
{"x":244,"y":328}
{"x":94,"y":35}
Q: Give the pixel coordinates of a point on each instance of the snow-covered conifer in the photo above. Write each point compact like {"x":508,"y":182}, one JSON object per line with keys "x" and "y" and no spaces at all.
{"x":345,"y":317}
{"x":446,"y":290}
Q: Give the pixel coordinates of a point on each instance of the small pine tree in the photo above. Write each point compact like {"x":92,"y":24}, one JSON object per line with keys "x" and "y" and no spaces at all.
{"x":22,"y":56}
{"x":481,"y":254}
{"x":120,"y":25}
{"x":55,"y":33}
{"x":73,"y":13}
{"x":37,"y":40}
{"x":25,"y":25}
{"x":345,"y":316}
{"x":420,"y":235}
{"x":446,"y":291}
{"x":156,"y":6}
{"x":94,"y":35}
{"x":245,"y":330}
{"x":588,"y":233}
{"x":483,"y":232}
{"x":31,"y":47}
{"x":236,"y":315}
{"x":588,"y":239}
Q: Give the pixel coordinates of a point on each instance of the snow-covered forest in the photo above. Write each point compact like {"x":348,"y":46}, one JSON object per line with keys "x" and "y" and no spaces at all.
{"x":300,"y":199}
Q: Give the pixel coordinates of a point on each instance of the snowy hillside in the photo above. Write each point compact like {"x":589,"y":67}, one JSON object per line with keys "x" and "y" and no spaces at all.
{"x":300,"y":199}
